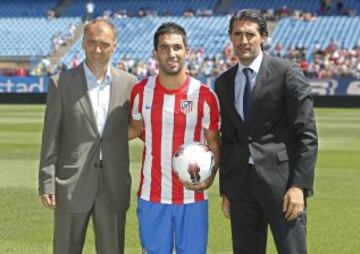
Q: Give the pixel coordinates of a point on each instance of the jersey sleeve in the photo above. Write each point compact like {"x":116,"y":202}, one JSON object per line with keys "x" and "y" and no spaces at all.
{"x":136,"y":102}
{"x":211,"y":118}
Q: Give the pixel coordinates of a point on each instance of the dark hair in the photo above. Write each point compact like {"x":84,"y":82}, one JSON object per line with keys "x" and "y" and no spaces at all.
{"x":249,"y":15}
{"x":100,"y":20}
{"x":169,"y":28}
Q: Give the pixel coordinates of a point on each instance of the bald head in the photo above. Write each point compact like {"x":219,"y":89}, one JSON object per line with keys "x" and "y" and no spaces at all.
{"x":98,"y":26}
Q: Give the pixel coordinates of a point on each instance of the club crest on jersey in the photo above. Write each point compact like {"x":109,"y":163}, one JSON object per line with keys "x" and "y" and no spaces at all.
{"x":186,"y":106}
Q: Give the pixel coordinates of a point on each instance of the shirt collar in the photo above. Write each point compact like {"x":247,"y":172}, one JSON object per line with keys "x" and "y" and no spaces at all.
{"x":91,"y":78}
{"x":255,"y":65}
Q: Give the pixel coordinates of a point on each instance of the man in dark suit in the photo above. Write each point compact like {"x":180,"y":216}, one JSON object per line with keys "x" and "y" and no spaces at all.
{"x":84,"y":164}
{"x":268,"y":143}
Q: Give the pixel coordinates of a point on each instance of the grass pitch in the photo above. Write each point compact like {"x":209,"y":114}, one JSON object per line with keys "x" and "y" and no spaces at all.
{"x":333,"y":213}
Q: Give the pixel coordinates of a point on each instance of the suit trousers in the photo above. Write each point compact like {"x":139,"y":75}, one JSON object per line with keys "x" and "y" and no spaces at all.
{"x":254,"y":209}
{"x":109,"y":227}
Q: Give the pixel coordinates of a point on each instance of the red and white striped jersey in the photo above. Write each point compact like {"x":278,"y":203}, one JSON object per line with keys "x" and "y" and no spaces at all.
{"x":171,"y":118}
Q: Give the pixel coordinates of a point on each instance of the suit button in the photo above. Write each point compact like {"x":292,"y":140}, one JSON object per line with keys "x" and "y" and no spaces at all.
{"x":96,"y":165}
{"x":101,"y":139}
{"x":250,"y":139}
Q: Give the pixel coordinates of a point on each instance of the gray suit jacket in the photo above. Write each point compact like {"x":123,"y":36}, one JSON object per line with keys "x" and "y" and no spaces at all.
{"x":280,"y":135}
{"x":71,"y":143}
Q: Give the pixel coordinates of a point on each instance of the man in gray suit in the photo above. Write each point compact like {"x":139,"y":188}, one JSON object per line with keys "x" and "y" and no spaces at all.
{"x":268,"y":143}
{"x":84,"y":164}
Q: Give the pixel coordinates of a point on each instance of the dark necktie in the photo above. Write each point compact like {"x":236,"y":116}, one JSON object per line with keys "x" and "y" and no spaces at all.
{"x":247,"y":93}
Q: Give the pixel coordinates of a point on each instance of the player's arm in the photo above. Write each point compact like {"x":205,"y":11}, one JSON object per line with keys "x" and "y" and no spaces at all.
{"x":135,"y":128}
{"x":135,"y":115}
{"x":212,"y":140}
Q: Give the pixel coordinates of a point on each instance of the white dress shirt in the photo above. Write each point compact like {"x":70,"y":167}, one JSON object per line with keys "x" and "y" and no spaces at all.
{"x":99,"y":93}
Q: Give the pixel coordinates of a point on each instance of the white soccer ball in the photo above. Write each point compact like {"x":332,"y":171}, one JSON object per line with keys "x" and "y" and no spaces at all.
{"x":193,"y":162}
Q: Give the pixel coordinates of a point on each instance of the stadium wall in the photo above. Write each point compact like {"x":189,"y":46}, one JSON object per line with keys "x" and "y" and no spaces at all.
{"x":14,"y":64}
{"x":336,"y":92}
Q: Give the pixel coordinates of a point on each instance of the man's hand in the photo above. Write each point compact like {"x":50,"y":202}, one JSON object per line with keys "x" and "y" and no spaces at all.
{"x":212,"y":140}
{"x":293,"y":203}
{"x":48,"y":200}
{"x":225,"y":206}
{"x":135,"y":129}
{"x":200,"y":186}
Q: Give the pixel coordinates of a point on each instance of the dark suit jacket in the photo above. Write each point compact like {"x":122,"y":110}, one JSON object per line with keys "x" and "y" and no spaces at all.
{"x":280,"y":135}
{"x":71,"y":143}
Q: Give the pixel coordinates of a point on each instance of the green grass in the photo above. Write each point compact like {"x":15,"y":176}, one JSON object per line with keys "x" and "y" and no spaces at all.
{"x":333,"y":228}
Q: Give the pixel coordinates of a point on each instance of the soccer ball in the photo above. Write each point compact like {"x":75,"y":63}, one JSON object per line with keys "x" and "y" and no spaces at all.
{"x":193,"y":162}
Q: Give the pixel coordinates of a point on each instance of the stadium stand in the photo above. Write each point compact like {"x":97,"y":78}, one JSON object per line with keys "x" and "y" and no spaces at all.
{"x":321,"y":36}
{"x":27,"y":37}
{"x":135,"y":36}
{"x":292,"y":33}
{"x":28,"y":34}
{"x":303,"y":5}
{"x":26,"y":8}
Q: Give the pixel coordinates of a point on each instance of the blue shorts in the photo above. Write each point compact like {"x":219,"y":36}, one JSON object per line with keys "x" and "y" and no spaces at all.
{"x":162,"y":225}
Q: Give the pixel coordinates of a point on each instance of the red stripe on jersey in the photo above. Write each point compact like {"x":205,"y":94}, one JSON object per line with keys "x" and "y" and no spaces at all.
{"x":156,"y":128}
{"x":138,"y":90}
{"x":199,"y":195}
{"x":214,"y":112}
{"x":178,"y":140}
{"x":198,"y":128}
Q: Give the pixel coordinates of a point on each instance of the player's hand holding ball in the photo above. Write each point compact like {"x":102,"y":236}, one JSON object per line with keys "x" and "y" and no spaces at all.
{"x":194,"y":165}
